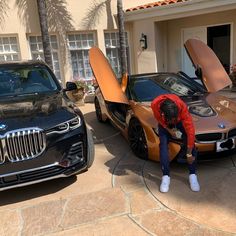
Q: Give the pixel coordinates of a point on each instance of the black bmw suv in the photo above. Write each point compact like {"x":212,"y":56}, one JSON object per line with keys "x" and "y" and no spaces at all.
{"x":43,"y":135}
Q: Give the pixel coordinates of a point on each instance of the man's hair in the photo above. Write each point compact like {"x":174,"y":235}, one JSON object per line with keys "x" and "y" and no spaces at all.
{"x":169,"y":109}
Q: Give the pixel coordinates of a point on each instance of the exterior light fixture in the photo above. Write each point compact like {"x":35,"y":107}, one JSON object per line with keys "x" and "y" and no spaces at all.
{"x":143,"y":41}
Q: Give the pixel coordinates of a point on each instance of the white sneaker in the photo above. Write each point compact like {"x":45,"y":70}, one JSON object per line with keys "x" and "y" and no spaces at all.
{"x":194,"y":185}
{"x":165,"y":182}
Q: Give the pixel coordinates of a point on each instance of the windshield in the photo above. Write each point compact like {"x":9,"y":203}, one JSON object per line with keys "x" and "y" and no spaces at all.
{"x":146,"y":88}
{"x":25,"y":79}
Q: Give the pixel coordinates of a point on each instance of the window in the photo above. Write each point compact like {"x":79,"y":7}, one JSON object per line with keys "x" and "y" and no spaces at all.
{"x":9,"y":50}
{"x":112,"y":44}
{"x":79,"y":45}
{"x":36,"y":48}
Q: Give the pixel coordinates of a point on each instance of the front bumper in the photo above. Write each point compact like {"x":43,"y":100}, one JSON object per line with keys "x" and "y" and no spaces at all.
{"x":65,"y":155}
{"x":38,"y":175}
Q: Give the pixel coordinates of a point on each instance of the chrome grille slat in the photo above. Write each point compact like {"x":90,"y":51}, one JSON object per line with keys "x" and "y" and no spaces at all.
{"x":9,"y":147}
{"x":16,"y":147}
{"x":19,"y":145}
{"x":35,"y":140}
{"x":22,"y":144}
{"x":30,"y":143}
{"x":40,"y":140}
{"x":2,"y":159}
{"x":25,"y":144}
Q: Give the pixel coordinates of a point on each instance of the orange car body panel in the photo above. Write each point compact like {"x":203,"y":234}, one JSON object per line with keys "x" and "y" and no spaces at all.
{"x":106,"y":77}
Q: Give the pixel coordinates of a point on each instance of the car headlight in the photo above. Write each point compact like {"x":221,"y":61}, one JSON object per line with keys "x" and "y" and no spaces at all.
{"x":65,"y":126}
{"x":202,"y":110}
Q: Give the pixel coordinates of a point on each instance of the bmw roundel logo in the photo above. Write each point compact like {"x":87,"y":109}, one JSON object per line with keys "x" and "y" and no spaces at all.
{"x":3,"y":127}
{"x":221,"y":125}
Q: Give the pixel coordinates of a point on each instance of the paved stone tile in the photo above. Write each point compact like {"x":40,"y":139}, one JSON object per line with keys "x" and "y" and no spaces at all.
{"x":128,"y":174}
{"x":129,"y":181}
{"x":131,"y":159}
{"x":164,"y":223}
{"x":116,"y":226}
{"x":42,"y":218}
{"x":10,"y":222}
{"x":226,"y":162}
{"x":214,"y":206}
{"x":89,"y":207}
{"x":142,"y":201}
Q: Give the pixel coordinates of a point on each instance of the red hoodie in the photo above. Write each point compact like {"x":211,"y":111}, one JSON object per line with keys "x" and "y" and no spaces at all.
{"x":183,"y":116}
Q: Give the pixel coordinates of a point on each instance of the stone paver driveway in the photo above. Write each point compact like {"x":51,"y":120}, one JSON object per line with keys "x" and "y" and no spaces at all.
{"x":119,"y":196}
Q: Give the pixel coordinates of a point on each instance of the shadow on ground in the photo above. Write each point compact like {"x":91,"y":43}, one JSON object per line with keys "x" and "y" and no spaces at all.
{"x":34,"y":191}
{"x":116,"y":145}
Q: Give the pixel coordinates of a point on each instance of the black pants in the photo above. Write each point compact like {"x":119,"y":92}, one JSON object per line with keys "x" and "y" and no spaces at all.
{"x":165,"y":136}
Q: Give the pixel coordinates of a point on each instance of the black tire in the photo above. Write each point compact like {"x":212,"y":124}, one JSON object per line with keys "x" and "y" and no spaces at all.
{"x":98,"y":111}
{"x":137,"y":139}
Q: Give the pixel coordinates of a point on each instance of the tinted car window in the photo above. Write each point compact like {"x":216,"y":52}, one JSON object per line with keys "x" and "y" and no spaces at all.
{"x":146,"y":88}
{"x":17,"y":80}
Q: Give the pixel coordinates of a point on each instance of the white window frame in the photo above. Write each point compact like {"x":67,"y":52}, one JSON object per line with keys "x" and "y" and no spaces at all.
{"x":81,"y":42}
{"x":11,"y":52}
{"x":39,"y":51}
{"x":116,"y":46}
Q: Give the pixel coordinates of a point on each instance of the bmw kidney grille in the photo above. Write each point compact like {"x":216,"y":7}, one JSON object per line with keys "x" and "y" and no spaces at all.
{"x":23,"y":144}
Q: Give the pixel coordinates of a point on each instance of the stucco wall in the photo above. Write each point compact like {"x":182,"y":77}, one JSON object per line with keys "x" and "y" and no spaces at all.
{"x":145,"y":60}
{"x":175,"y":30}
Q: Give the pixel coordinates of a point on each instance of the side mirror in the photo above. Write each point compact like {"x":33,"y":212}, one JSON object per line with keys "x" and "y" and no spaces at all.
{"x":70,"y":86}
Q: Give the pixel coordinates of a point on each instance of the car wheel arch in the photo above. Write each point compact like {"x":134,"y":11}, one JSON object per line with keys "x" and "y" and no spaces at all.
{"x":98,"y":110}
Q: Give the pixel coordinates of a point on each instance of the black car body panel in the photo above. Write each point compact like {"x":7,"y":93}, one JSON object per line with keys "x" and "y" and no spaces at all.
{"x":43,"y":135}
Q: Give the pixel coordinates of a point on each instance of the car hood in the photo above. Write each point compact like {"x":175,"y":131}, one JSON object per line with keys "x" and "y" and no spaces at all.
{"x":43,"y":111}
{"x":210,"y":113}
{"x":213,"y":74}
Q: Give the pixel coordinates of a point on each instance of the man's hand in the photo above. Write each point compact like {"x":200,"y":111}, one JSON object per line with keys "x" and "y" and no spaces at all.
{"x":171,"y":132}
{"x":175,"y":133}
{"x":190,"y":158}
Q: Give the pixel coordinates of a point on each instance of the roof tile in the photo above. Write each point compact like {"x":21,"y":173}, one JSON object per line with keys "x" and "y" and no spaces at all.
{"x":155,"y":4}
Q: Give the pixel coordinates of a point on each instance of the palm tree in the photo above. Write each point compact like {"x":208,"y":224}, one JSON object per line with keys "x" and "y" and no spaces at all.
{"x":42,"y":11}
{"x":123,"y":56}
{"x":3,"y":10}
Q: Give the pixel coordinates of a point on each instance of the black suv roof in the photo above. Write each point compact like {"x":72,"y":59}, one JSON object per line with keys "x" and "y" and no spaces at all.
{"x":23,"y":62}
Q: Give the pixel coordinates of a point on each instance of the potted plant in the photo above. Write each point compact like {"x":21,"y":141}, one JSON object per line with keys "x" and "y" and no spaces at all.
{"x":78,"y":94}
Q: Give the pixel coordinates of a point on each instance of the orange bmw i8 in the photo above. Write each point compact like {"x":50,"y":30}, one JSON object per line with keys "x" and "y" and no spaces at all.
{"x":127,"y":104}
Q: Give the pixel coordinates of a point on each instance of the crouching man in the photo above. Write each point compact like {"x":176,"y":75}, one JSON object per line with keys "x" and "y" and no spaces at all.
{"x":174,"y":120}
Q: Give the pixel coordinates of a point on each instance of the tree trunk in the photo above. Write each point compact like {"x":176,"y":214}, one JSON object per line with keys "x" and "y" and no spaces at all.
{"x":44,"y":32}
{"x":120,"y":16}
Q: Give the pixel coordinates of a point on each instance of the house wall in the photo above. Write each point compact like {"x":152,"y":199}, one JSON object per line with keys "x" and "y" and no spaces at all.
{"x":145,"y":60}
{"x":174,"y":31}
{"x":161,"y":45}
{"x":165,"y":47}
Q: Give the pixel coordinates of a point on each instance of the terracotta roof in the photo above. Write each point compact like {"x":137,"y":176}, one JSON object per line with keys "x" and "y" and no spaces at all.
{"x":156,"y":4}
